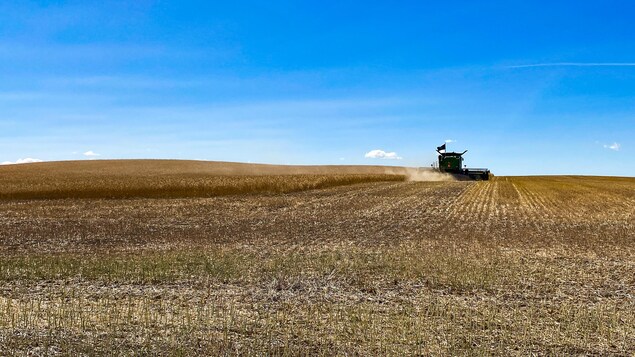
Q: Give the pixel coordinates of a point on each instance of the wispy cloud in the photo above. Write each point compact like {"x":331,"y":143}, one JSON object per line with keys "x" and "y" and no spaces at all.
{"x":576,"y":64}
{"x":71,"y":52}
{"x":449,"y":141}
{"x":381,"y":154}
{"x":19,"y":96}
{"x":614,"y":146}
{"x":91,"y":153}
{"x":28,"y":160}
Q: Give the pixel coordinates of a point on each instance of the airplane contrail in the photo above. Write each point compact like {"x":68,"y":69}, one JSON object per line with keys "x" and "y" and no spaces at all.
{"x":577,"y":64}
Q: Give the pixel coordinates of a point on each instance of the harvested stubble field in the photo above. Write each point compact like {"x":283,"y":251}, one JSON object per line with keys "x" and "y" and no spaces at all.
{"x":513,"y":266}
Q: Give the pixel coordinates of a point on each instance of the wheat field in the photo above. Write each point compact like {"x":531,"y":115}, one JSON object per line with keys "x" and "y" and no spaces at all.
{"x":378,"y":265}
{"x":117,"y":179}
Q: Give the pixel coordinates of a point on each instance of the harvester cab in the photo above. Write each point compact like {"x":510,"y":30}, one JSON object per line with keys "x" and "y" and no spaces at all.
{"x":452,"y":163}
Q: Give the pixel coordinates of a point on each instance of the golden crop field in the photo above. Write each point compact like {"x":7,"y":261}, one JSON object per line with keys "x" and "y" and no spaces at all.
{"x":368,"y":264}
{"x":176,"y":179}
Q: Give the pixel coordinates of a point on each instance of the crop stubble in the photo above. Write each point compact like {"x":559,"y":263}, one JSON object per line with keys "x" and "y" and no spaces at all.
{"x":516,"y":265}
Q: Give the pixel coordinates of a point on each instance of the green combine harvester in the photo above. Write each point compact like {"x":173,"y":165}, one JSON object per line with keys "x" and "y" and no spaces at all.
{"x":452,"y":163}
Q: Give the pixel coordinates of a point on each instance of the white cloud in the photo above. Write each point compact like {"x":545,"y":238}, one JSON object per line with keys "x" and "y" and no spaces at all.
{"x":450,"y":141}
{"x":91,"y":153}
{"x":28,"y":160}
{"x":381,"y":154}
{"x":614,"y":146}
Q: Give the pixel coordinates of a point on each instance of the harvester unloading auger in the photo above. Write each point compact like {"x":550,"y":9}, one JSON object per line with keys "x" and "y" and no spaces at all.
{"x":452,"y":163}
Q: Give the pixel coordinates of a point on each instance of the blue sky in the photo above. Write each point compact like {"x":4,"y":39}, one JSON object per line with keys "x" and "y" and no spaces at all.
{"x":528,"y":87}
